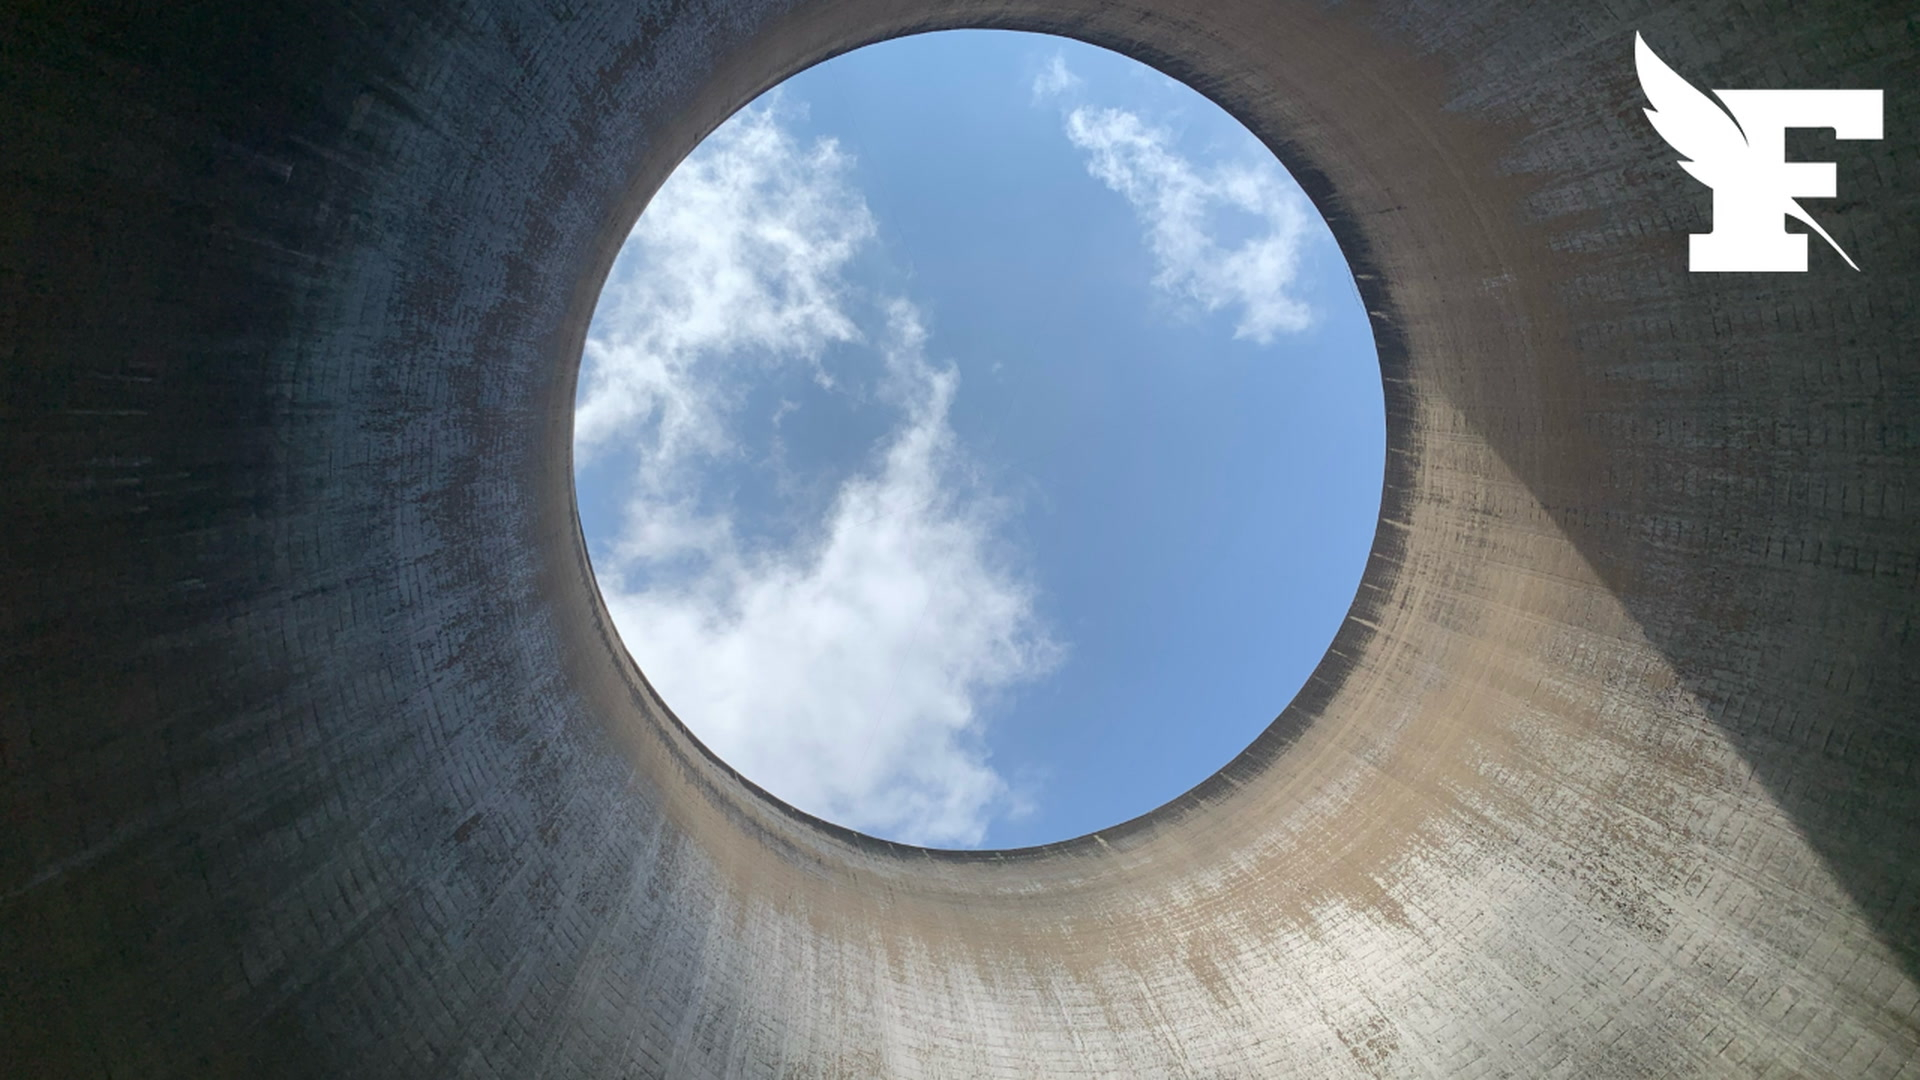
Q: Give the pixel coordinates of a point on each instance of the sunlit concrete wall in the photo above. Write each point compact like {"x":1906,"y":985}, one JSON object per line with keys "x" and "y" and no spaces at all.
{"x":320,"y":757}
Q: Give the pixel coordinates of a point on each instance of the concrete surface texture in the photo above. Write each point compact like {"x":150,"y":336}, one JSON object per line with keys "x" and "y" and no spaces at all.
{"x":321,"y":759}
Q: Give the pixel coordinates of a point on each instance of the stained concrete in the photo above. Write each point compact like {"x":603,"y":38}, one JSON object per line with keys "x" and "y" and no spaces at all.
{"x":321,"y":758}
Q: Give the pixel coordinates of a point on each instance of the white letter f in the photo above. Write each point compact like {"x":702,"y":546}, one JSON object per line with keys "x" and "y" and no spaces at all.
{"x":1743,"y":158}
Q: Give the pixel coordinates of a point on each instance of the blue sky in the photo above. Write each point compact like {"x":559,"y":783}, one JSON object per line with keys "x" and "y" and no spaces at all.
{"x":979,"y":440}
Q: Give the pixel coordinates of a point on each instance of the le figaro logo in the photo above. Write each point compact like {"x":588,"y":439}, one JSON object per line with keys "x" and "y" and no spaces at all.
{"x":1741,"y":153}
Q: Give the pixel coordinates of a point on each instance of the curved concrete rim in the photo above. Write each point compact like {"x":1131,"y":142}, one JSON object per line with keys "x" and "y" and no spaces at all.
{"x":1329,"y":672}
{"x":1353,"y":632}
{"x":322,"y":757}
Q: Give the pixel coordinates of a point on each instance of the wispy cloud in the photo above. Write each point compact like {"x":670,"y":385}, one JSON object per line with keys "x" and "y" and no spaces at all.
{"x":739,"y":259}
{"x":1185,"y":209}
{"x":1054,"y":79}
{"x":847,"y":672}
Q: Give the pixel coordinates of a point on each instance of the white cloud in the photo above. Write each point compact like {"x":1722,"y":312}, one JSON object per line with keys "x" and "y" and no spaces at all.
{"x":739,"y":256}
{"x":1054,"y":79}
{"x":1180,"y":204}
{"x":846,"y":672}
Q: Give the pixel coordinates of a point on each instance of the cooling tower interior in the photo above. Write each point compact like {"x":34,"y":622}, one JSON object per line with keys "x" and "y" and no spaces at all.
{"x":319,"y":756}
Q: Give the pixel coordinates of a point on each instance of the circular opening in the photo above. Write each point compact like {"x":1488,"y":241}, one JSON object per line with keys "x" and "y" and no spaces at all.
{"x":979,"y":439}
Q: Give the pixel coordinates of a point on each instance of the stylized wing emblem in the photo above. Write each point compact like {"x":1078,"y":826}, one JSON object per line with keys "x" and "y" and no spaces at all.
{"x":1703,"y":132}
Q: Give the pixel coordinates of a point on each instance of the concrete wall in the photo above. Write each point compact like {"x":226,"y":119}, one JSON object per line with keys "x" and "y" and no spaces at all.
{"x":319,"y":757}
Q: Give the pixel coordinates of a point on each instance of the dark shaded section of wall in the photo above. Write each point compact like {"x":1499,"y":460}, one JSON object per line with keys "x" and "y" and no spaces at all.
{"x":319,"y":757}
